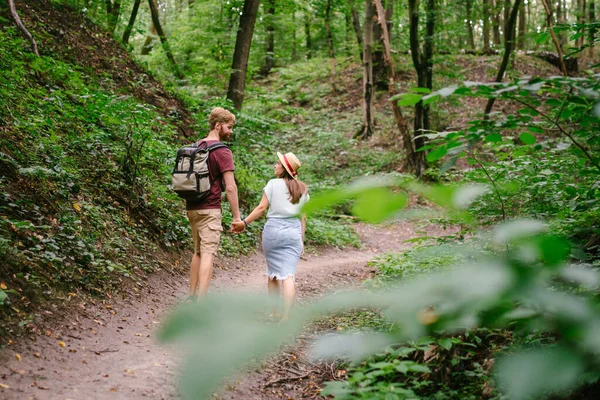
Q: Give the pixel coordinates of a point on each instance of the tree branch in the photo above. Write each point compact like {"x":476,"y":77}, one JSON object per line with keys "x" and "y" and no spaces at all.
{"x":564,"y":132}
{"x":13,"y":12}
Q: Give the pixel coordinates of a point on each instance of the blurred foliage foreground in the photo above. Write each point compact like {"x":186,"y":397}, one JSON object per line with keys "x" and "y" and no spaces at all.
{"x":515,"y":277}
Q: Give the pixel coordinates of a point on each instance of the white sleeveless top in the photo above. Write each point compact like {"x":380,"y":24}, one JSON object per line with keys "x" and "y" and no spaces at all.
{"x":280,"y":205}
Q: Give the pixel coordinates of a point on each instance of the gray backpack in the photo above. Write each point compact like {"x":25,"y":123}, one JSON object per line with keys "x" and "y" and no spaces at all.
{"x":191,"y":177}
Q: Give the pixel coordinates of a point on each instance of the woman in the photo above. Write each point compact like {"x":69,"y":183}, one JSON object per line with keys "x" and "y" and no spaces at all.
{"x":283,"y":234}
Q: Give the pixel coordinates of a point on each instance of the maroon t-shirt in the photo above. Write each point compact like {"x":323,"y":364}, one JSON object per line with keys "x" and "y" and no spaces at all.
{"x":219,"y":160}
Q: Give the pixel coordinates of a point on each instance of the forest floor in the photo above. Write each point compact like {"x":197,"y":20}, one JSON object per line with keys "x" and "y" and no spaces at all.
{"x":102,"y":350}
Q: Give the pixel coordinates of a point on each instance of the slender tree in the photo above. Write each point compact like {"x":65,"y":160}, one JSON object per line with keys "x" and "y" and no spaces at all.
{"x":592,"y":34}
{"x":163,"y":38}
{"x":113,"y":11}
{"x":423,"y":63}
{"x":522,"y":27}
{"x":294,"y":38}
{"x":307,"y":22}
{"x":549,"y":24}
{"x":509,"y":38}
{"x":469,"y":9}
{"x":357,"y":28}
{"x":270,"y":45}
{"x":17,"y":19}
{"x":239,"y":66}
{"x":149,"y":40}
{"x":414,"y":159}
{"x":328,"y":10}
{"x":486,"y":25}
{"x":129,"y":27}
{"x":496,"y":7}
{"x":366,"y":130}
{"x":580,"y":20}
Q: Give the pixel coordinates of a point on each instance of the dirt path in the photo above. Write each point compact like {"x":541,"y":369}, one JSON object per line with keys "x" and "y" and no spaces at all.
{"x":107,"y":349}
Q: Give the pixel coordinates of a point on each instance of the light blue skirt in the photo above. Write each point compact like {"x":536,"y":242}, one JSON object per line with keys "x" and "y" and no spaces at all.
{"x":282,"y":245}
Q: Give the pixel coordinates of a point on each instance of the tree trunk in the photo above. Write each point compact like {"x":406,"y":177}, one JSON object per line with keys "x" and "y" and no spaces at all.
{"x":357,"y":28}
{"x":423,"y":64}
{"x":113,"y":10}
{"x":508,"y":48}
{"x":555,"y":40}
{"x":348,"y":32}
{"x":330,"y":44}
{"x":522,"y":27}
{"x":294,"y":39}
{"x":495,"y":4}
{"x":580,"y":20}
{"x":506,"y":16}
{"x":561,"y":13}
{"x":307,"y":34}
{"x":407,"y":139}
{"x":17,"y":19}
{"x":366,"y":131}
{"x":239,"y":66}
{"x":270,"y":48}
{"x":469,"y":7}
{"x":592,"y":19}
{"x":486,"y":26}
{"x":148,"y":42}
{"x":129,"y":27}
{"x":389,"y":14}
{"x":163,"y":38}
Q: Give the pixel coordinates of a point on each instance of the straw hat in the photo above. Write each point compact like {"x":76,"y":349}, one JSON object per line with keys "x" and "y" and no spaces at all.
{"x":290,"y":162}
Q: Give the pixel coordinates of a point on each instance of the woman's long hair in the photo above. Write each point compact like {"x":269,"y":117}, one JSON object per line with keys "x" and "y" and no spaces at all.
{"x":295,"y":187}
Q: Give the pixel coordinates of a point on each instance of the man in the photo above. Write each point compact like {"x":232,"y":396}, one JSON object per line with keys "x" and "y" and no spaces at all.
{"x":205,"y":215}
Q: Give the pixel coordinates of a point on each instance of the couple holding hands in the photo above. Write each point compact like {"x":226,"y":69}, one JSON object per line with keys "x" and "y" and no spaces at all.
{"x":283,"y":233}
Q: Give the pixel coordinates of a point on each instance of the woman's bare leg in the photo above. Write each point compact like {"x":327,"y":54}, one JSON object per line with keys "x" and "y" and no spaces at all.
{"x":273,"y":287}
{"x":289,"y":294}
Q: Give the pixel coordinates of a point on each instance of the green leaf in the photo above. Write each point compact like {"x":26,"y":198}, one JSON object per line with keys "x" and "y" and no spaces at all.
{"x":430,"y":98}
{"x":419,"y":368}
{"x":555,"y":250}
{"x":446,"y":343}
{"x":437,"y":154}
{"x":422,"y":90}
{"x":409,"y":99}
{"x":493,"y":138}
{"x":448,"y":164}
{"x":378,"y":204}
{"x":537,"y":372}
{"x":536,"y":129}
{"x":515,"y":230}
{"x":327,"y":199}
{"x":527,"y":138}
{"x":336,"y":388}
{"x":542,"y":37}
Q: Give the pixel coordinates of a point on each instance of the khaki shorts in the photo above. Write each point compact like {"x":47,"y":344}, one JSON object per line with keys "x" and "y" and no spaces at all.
{"x":206,"y":230}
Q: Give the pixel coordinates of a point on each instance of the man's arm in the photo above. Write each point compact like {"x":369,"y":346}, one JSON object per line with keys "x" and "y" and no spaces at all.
{"x":232,"y":194}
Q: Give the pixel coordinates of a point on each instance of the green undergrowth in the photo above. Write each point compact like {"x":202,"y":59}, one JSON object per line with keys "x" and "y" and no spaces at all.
{"x":442,"y":367}
{"x":83,"y":196}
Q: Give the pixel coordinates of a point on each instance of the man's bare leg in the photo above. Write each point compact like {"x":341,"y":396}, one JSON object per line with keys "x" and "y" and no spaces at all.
{"x":289,"y":294}
{"x":194,"y":274}
{"x":205,"y":273}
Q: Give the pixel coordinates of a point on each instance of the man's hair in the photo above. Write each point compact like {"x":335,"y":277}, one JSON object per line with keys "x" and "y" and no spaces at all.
{"x":219,"y":114}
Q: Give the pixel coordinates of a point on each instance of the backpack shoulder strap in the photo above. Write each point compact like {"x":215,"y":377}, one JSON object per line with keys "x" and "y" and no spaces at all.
{"x":215,"y":146}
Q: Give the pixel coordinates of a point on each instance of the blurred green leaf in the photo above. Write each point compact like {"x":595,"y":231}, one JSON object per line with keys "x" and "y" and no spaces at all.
{"x":538,"y":373}
{"x":515,"y":230}
{"x":377,"y":204}
{"x":527,"y":138}
{"x":436,"y":154}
